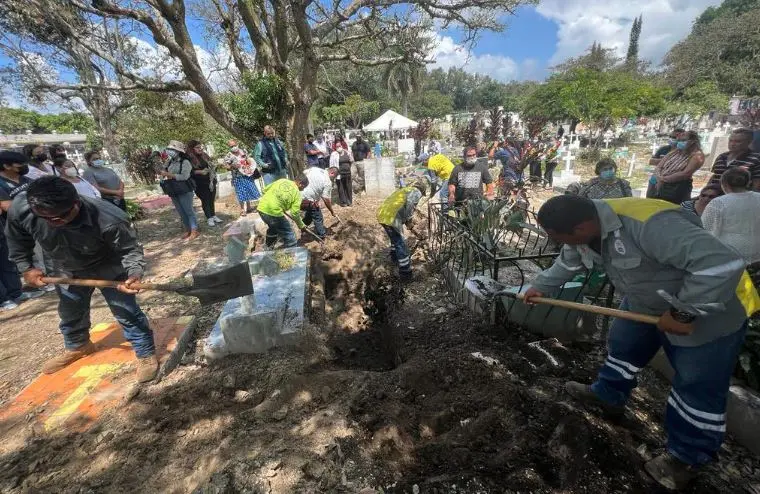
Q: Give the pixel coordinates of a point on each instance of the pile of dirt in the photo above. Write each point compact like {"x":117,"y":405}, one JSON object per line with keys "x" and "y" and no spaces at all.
{"x":393,"y":388}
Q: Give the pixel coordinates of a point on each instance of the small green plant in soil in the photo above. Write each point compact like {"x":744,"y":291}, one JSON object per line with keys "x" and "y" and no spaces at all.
{"x":134,"y":210}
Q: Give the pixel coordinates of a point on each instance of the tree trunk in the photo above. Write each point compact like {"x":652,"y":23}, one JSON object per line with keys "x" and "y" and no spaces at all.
{"x":298,"y":127}
{"x":109,"y":138}
{"x":573,"y":124}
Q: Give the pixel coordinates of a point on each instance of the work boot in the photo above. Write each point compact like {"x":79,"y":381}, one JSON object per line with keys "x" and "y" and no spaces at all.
{"x":68,"y":356}
{"x":670,"y":472}
{"x":147,"y":368}
{"x":584,"y":394}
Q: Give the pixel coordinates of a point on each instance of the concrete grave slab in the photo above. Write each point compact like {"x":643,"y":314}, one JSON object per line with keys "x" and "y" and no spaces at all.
{"x":274,"y":315}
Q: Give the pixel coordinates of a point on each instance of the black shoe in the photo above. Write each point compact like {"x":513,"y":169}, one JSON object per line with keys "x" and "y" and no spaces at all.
{"x":670,"y":472}
{"x":584,"y":394}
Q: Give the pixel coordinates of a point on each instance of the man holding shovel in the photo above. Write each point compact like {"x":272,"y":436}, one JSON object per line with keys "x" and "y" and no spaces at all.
{"x":83,"y":238}
{"x":666,"y":265}
{"x":282,"y":200}
{"x":395,"y":212}
{"x":319,"y":188}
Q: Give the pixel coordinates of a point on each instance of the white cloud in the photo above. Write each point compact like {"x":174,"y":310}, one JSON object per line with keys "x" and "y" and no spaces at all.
{"x":448,"y":53}
{"x":609,"y":22}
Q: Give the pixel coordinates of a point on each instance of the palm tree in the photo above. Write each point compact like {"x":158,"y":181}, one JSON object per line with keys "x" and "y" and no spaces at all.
{"x":404,"y":78}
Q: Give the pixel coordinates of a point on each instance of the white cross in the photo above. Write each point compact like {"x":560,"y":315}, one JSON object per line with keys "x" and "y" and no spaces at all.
{"x":572,"y":137}
{"x":606,"y":142}
{"x":568,"y":161}
{"x":654,"y":147}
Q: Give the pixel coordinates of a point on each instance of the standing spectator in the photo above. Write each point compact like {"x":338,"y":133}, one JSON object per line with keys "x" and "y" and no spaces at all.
{"x":671,"y":180}
{"x":319,"y":188}
{"x":551,"y":155}
{"x":66,"y":169}
{"x":378,"y":149}
{"x":360,"y":149}
{"x":271,"y":157}
{"x":339,"y":139}
{"x":662,"y":151}
{"x":204,"y":176}
{"x":342,"y":160}
{"x":178,"y":185}
{"x":39,"y":161}
{"x":312,"y":152}
{"x":560,"y":132}
{"x":57,"y":151}
{"x":467,"y":180}
{"x":244,"y":173}
{"x":434,"y":147}
{"x":735,"y":217}
{"x":606,"y":184}
{"x":13,"y":168}
{"x":698,"y":204}
{"x":98,"y":242}
{"x":321,"y":144}
{"x":738,"y":154}
{"x":108,"y":183}
{"x":281,"y":198}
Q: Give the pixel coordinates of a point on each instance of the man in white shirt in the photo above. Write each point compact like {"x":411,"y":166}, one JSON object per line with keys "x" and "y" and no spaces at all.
{"x":320,"y":187}
{"x":322,"y":147}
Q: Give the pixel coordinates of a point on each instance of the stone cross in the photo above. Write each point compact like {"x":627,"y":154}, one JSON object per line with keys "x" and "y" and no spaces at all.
{"x":607,"y":142}
{"x":568,"y":161}
{"x":572,"y":137}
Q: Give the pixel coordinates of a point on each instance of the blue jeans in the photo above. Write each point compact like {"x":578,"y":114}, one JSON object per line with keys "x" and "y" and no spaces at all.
{"x":399,"y":251}
{"x":278,"y":227}
{"x":184,"y":206}
{"x":270,"y":177}
{"x":696,"y":414}
{"x":74,"y":311}
{"x":315,"y":215}
{"x":10,"y":282}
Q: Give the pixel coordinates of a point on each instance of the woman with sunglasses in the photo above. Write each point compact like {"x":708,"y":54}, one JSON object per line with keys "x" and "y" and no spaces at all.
{"x":698,"y":204}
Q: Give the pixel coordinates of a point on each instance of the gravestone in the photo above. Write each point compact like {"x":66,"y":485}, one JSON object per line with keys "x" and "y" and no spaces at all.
{"x":567,"y":175}
{"x":379,"y":176}
{"x":718,"y":146}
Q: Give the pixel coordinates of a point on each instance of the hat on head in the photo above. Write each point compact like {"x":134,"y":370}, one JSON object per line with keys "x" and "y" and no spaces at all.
{"x":8,"y":157}
{"x":176,"y":145}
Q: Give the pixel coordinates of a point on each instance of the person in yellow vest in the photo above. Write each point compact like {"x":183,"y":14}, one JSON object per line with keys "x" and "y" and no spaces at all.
{"x":665,"y":264}
{"x":282,"y":197}
{"x":395,"y":212}
{"x":440,"y":167}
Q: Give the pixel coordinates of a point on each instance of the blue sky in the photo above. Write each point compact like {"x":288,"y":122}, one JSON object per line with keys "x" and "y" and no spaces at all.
{"x":536,"y":37}
{"x":541,"y":36}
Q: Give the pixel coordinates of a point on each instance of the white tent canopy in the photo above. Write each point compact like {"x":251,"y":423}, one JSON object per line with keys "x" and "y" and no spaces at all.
{"x":390,"y":120}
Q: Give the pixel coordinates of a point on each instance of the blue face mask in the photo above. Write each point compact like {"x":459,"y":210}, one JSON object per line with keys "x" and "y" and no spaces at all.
{"x":681,"y":145}
{"x":98,"y":162}
{"x":608,"y":174}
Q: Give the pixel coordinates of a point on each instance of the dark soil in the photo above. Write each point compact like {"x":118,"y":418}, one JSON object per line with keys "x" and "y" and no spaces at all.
{"x":393,"y":387}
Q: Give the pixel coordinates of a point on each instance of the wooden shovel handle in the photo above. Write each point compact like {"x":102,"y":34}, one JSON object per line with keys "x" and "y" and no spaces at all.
{"x":605,"y":311}
{"x":101,"y":283}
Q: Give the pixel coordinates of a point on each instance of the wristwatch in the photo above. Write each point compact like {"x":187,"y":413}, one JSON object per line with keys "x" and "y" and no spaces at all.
{"x":681,"y":316}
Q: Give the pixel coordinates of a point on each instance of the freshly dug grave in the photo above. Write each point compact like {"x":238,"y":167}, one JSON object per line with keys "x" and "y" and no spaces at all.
{"x":411,"y":391}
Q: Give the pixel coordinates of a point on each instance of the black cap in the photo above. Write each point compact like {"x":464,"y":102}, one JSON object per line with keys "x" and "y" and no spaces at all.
{"x":9,"y":157}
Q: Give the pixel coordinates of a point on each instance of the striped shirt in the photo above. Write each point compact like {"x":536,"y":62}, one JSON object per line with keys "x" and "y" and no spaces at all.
{"x":749,"y":160}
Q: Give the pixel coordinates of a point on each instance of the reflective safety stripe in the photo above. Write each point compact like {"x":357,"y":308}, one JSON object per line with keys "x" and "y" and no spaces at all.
{"x":638,"y":208}
{"x":620,"y":370}
{"x":696,"y":423}
{"x":404,"y":262}
{"x":722,"y":268}
{"x":747,"y":294}
{"x":569,"y":268}
{"x":625,"y":364}
{"x":715,"y":417}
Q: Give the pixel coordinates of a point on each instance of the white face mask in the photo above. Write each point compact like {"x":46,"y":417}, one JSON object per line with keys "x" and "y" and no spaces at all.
{"x":338,"y":149}
{"x":71,"y":172}
{"x":471,"y":161}
{"x":171,"y":152}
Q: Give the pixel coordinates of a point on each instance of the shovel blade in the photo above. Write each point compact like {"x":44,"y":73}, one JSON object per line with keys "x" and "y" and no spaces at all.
{"x":226,"y":283}
{"x":483,"y":287}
